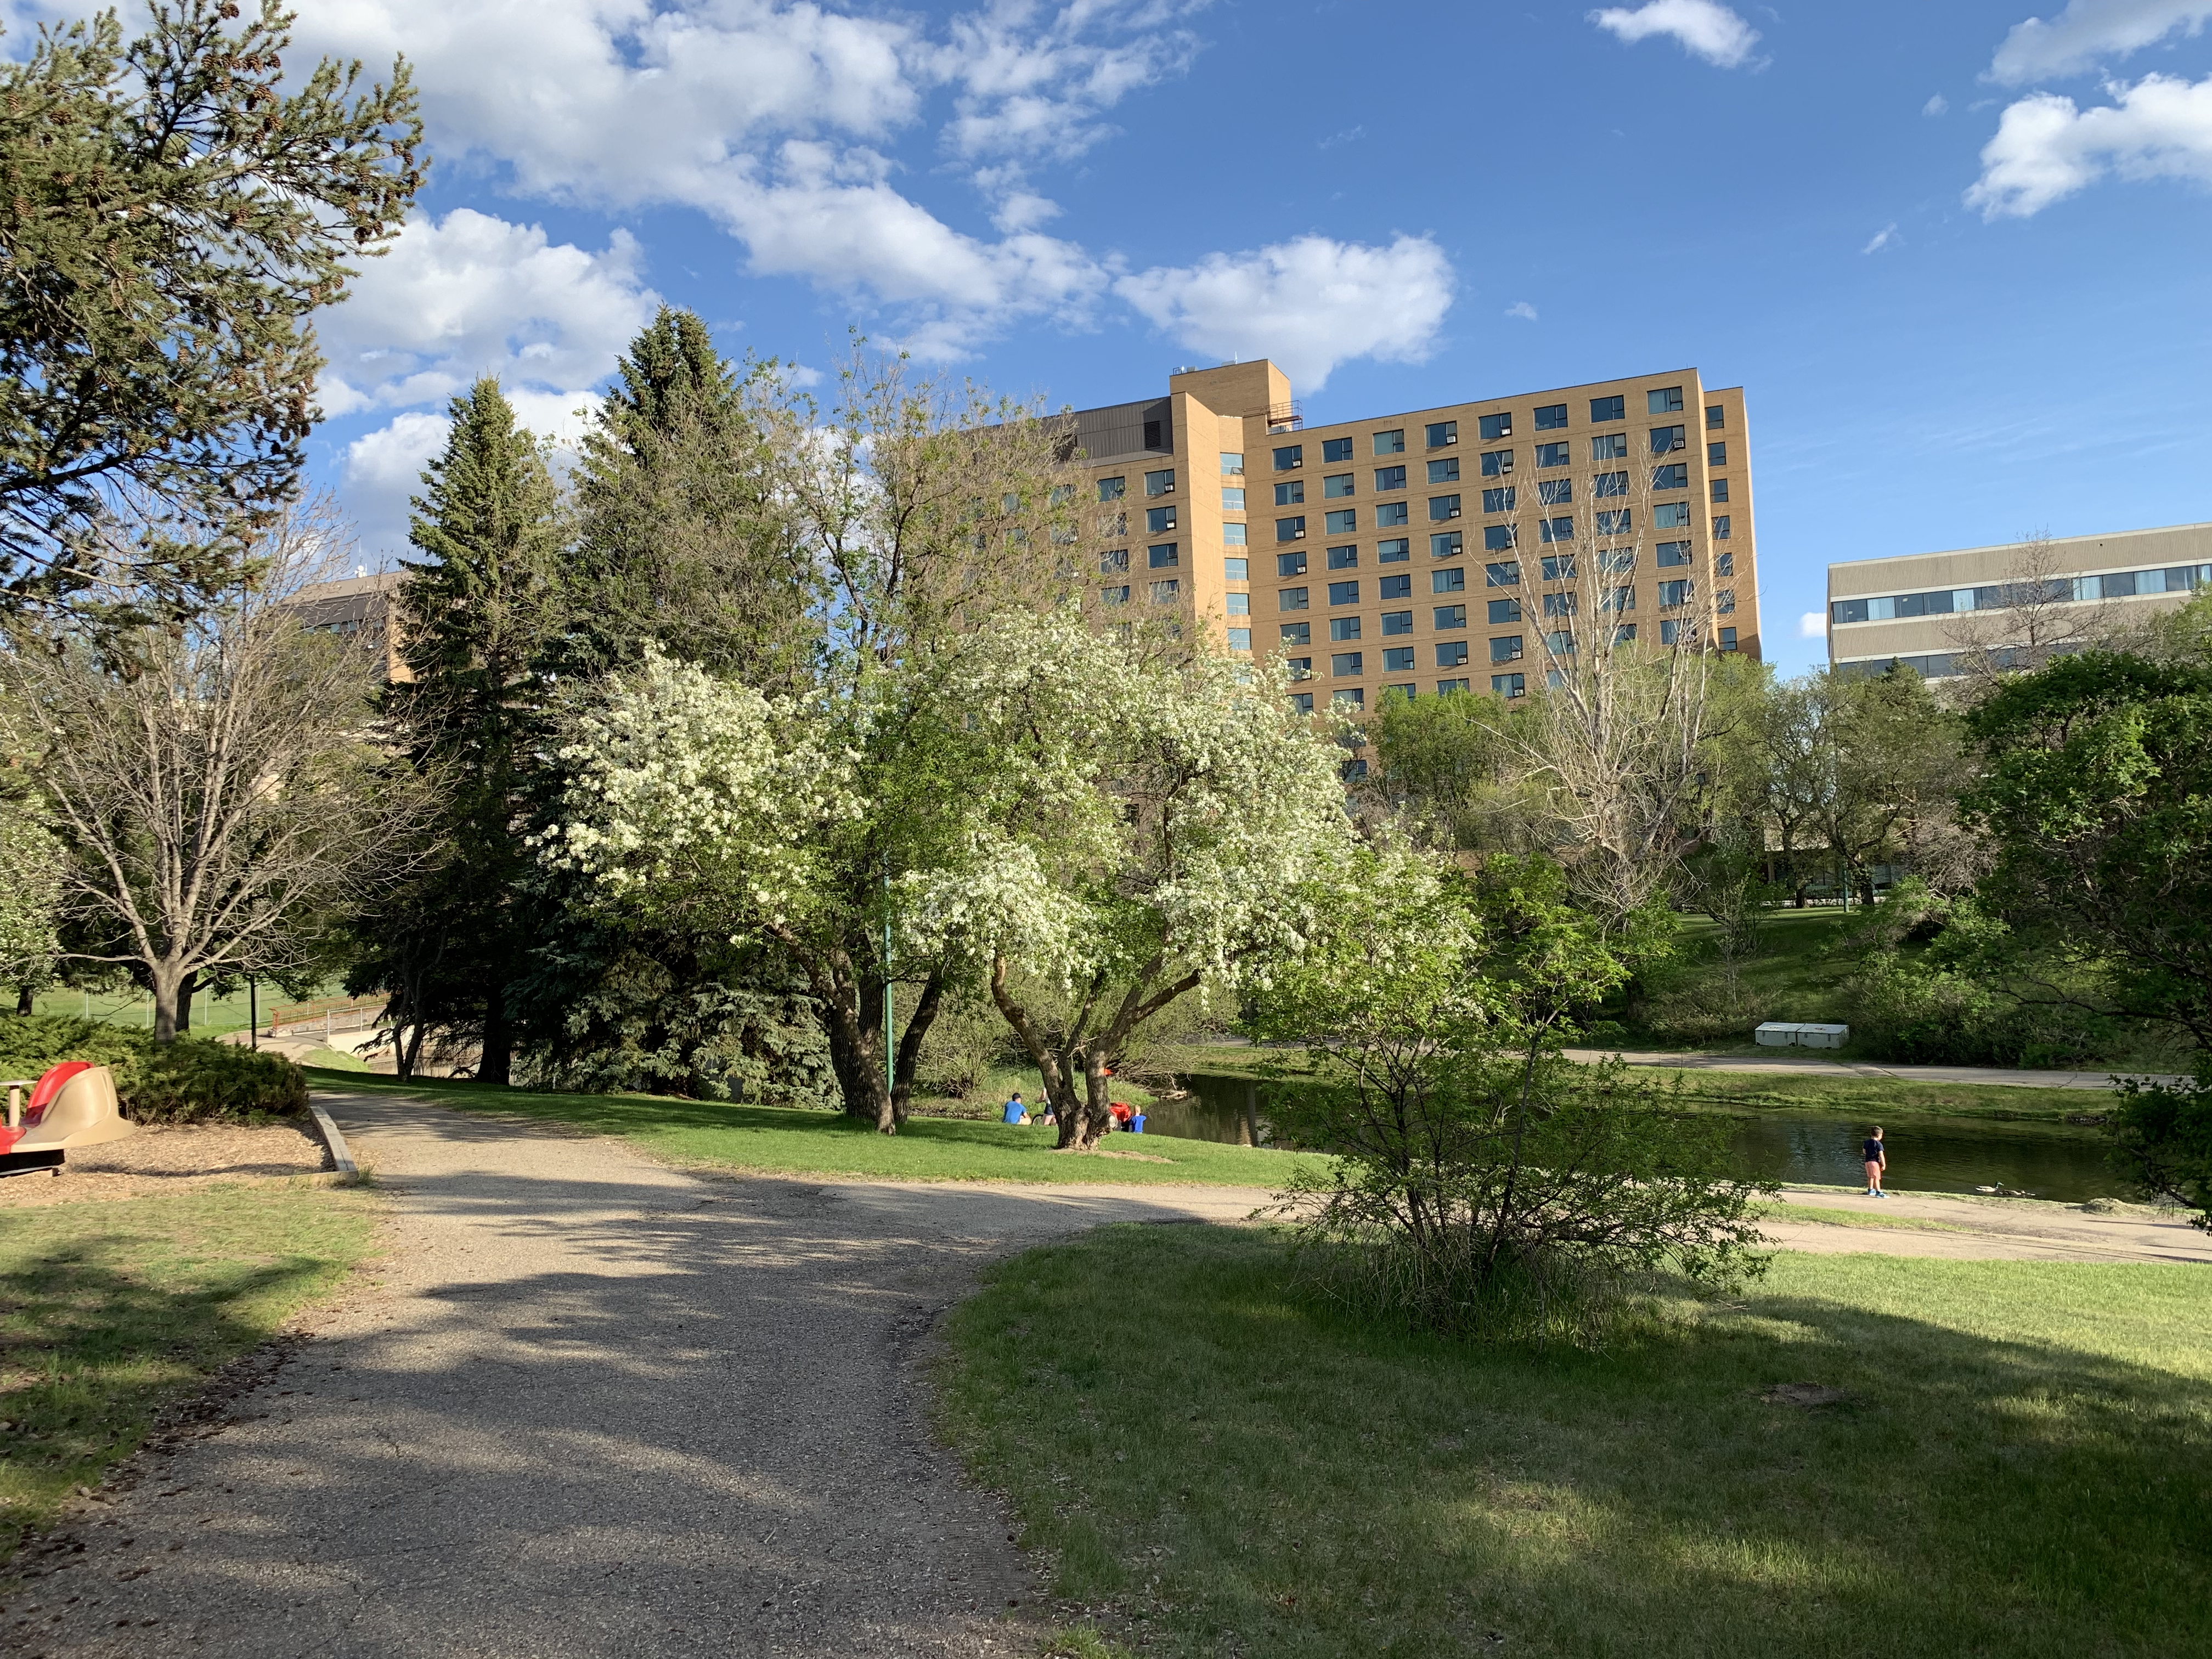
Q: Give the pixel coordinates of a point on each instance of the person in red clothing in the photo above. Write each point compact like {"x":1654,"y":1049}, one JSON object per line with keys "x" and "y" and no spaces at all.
{"x":1122,"y":1114}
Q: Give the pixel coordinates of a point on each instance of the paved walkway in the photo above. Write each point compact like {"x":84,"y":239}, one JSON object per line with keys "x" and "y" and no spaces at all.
{"x":597,"y":1407}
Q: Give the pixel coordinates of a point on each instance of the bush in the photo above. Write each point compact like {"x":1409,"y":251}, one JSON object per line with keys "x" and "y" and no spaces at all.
{"x":193,"y":1080}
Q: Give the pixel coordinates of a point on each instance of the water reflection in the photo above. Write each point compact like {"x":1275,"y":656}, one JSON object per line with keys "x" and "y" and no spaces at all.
{"x":1930,"y":1155}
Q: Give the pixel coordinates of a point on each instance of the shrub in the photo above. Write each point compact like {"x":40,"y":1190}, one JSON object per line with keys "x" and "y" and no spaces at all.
{"x":193,"y":1080}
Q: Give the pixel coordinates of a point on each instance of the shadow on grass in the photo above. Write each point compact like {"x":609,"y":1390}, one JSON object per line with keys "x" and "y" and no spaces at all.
{"x":1194,"y":1435}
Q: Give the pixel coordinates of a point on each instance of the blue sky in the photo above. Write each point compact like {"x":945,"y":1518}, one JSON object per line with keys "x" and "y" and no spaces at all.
{"x":1959,"y":254}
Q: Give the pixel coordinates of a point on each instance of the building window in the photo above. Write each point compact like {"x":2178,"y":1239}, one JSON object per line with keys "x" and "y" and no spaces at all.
{"x":1340,"y":521}
{"x":1441,"y":433}
{"x":1507,"y":574}
{"x":1302,"y":702}
{"x":1671,"y":630}
{"x":1671,"y":515}
{"x":1451,"y":654}
{"x":1291,"y":598}
{"x":1552,"y":455}
{"x":1612,"y":446}
{"x":1725,"y":601}
{"x":1716,"y":416}
{"x":1290,"y":564}
{"x":1554,"y":492}
{"x":1674,"y":553}
{"x":1724,"y":564}
{"x":1496,"y":463}
{"x":1397,"y":622}
{"x":1666,"y":439}
{"x":1159,"y":519}
{"x":1237,"y":570}
{"x":1720,"y":489}
{"x":1394,"y":477}
{"x":1388,"y":443}
{"x":1666,"y":400}
{"x":1506,"y":648}
{"x":1561,"y":644}
{"x":1494,"y":427}
{"x":1161,"y":483}
{"x":1335,"y":449}
{"x":1388,"y":514}
{"x":1557,"y":530}
{"x":1558,"y":604}
{"x":1345,"y":664}
{"x":1625,"y":635}
{"x":1290,"y":530}
{"x":1396,"y":551}
{"x":1443,"y":472}
{"x":1399,"y":659}
{"x":1155,"y":435}
{"x":1442,"y":507}
{"x":1607,"y":408}
{"x":1502,"y":685}
{"x":1343,"y":592}
{"x":1453,"y":580}
{"x":1166,"y":592}
{"x":1448,"y":617}
{"x":1341,"y":628}
{"x":1292,"y":493}
{"x":1112,"y":489}
{"x":1503,"y":611}
{"x":1616,"y":599}
{"x":1717,"y":455}
{"x":1232,"y":500}
{"x":1240,"y":639}
{"x":1289,"y":456}
{"x":1609,"y":483}
{"x":1446,"y":544}
{"x":1114,"y":595}
{"x":1498,"y":500}
{"x":1616,"y":560}
{"x":1672,"y":594}
{"x":1394,"y":587}
{"x":1113,"y":524}
{"x":1551,"y":418}
{"x":1232,"y":464}
{"x":1354,"y":698}
{"x":1335,"y":485}
{"x":1298,"y":633}
{"x":1163,"y":557}
{"x":1722,"y":528}
{"x":1240,"y":604}
{"x":1558,"y":567}
{"x":1616,"y":521}
{"x":1498,"y":538}
{"x":1343,"y":558}
{"x":1728,"y":639}
{"x":1110,"y":562}
{"x":1232,"y":535}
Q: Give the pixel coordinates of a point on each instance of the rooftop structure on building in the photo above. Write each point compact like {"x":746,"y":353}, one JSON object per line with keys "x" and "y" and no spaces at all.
{"x":359,"y":609}
{"x":1428,"y":550}
{"x":1933,"y":611}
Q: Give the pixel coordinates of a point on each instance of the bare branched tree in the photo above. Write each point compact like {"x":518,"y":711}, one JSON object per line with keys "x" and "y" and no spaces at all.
{"x":213,"y":783}
{"x":2031,"y":616}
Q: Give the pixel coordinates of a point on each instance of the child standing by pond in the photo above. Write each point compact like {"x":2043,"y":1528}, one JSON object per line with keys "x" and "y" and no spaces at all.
{"x":1877,"y":1162}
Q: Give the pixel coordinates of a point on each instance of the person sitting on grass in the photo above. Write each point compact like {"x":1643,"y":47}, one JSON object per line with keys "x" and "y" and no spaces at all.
{"x":1122,"y":1114}
{"x":1015,"y":1112}
{"x":1877,"y":1162}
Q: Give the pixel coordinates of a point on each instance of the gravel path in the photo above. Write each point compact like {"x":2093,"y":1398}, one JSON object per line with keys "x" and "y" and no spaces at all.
{"x":598,"y":1406}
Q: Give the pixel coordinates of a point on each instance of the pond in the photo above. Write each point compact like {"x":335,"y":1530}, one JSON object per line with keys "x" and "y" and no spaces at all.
{"x":1926,"y":1154}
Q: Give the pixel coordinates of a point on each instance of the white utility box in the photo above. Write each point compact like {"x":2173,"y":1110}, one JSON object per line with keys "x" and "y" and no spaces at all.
{"x":1783,"y":1034}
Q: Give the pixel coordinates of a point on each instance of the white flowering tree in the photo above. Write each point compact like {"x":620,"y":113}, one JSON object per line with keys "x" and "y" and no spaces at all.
{"x":1141,"y":825}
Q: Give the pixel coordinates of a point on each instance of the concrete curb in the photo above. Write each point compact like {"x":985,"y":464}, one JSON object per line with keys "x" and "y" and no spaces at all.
{"x":341,"y":1156}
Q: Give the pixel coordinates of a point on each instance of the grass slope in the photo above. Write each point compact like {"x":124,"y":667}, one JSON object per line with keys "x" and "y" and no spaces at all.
{"x":108,"y":1309}
{"x":1219,"y":1464}
{"x":779,"y":1140}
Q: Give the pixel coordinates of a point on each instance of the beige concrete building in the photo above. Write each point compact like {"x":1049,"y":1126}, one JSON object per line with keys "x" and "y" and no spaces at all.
{"x":1435,"y":549}
{"x":359,"y":609}
{"x":1925,"y":609}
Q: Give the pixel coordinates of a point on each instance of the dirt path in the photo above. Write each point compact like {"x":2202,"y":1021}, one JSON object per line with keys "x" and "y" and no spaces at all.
{"x":598,"y":1406}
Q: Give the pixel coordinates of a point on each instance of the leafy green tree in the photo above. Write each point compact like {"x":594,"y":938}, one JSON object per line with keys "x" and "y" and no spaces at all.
{"x":170,"y":218}
{"x":2097,"y":800}
{"x":30,"y":900}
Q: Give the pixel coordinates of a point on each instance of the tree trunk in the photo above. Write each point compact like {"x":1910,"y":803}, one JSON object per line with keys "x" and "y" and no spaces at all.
{"x":496,"y":1063}
{"x":909,"y":1048}
{"x":165,"y":985}
{"x":23,"y":1000}
{"x":190,"y":984}
{"x":1053,"y":1065}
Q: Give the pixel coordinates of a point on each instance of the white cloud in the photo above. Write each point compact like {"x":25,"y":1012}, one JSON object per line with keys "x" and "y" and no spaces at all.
{"x":1705,"y":28}
{"x":2046,"y":149}
{"x":1310,"y":303}
{"x":1522,"y":309}
{"x":1886,"y":237}
{"x":1813,"y":625}
{"x":473,"y":294}
{"x":2088,"y":33}
{"x":383,"y":472}
{"x":1939,"y":105}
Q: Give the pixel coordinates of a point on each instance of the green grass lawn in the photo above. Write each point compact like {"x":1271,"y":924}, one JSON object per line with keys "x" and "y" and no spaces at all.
{"x":778,"y":1140}
{"x":108,"y":1309}
{"x":1214,"y":1462}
